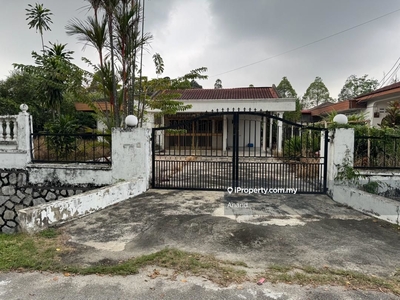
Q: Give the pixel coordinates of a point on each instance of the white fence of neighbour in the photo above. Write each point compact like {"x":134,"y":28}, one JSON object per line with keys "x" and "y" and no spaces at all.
{"x":8,"y":129}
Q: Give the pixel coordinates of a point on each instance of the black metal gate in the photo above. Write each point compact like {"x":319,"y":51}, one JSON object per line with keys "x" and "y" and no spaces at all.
{"x":239,"y":150}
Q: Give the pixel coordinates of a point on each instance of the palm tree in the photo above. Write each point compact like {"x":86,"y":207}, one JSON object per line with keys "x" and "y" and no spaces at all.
{"x":109,"y":7}
{"x":39,"y":18}
{"x":90,"y":32}
{"x":126,"y":19}
{"x":59,"y":51}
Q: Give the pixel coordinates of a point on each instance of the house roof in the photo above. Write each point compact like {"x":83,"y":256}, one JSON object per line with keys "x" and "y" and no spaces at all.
{"x":342,"y":106}
{"x":102,"y":105}
{"x":227,"y":94}
{"x":386,"y":90}
{"x":204,"y":94}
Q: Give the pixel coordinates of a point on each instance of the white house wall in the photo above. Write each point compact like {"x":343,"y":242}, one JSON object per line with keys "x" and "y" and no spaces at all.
{"x":249,"y":131}
{"x":279,"y":104}
{"x":376,"y":105}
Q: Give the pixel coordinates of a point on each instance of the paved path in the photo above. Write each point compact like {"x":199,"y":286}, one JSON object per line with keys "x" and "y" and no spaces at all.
{"x":39,"y":286}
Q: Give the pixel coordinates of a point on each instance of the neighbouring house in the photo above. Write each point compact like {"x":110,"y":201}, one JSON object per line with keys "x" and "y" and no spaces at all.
{"x":377,"y":101}
{"x":372,"y":105}
{"x":264,"y":99}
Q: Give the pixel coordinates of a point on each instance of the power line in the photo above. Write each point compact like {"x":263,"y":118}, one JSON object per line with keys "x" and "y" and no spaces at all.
{"x":390,"y":76}
{"x":308,"y":44}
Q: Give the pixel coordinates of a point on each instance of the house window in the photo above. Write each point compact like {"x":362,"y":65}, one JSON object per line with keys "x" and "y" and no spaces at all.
{"x":382,"y":110}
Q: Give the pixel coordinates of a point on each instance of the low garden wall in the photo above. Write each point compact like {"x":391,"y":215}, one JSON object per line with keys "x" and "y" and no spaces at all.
{"x":17,"y":192}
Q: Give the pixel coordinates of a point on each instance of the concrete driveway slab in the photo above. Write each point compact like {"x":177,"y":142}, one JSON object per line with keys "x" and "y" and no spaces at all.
{"x":305,"y":230}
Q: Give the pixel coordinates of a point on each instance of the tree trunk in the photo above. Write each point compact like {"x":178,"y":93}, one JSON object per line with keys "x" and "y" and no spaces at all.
{"x":114,"y":83}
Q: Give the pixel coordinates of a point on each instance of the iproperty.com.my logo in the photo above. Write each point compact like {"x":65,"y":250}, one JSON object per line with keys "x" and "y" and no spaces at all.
{"x":239,"y":190}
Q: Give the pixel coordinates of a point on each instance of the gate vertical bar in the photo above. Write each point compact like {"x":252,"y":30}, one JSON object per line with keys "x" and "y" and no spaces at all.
{"x":326,"y":134}
{"x":236,"y":147}
{"x":153,"y":157}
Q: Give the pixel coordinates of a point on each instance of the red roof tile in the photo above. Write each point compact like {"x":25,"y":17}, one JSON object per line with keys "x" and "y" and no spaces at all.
{"x":205,"y":94}
{"x":227,"y":94}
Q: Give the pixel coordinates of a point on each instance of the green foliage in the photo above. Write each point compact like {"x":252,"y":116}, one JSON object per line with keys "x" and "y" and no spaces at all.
{"x":392,"y":119}
{"x":355,"y":86}
{"x":62,"y":142}
{"x":195,"y":85}
{"x":8,"y":107}
{"x":286,"y":90}
{"x":371,"y":187}
{"x":293,"y":147}
{"x":303,"y":146}
{"x":39,"y":17}
{"x":346,"y":174}
{"x":218,"y":84}
{"x":316,"y":94}
{"x":159,"y":63}
{"x":54,"y":76}
{"x":176,"y":131}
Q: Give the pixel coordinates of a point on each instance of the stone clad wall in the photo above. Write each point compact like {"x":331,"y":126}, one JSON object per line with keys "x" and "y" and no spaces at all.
{"x":16,"y":193}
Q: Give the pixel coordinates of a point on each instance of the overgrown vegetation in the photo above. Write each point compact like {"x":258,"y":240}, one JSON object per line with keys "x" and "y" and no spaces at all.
{"x":309,"y":275}
{"x":346,"y":174}
{"x":46,"y":251}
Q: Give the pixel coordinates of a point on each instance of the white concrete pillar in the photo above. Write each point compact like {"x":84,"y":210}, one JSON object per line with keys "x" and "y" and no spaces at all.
{"x":279,"y":134}
{"x":340,"y":152}
{"x":23,"y":132}
{"x":131,"y":154}
{"x":224,"y":134}
{"x":264,"y":134}
{"x":271,"y":121}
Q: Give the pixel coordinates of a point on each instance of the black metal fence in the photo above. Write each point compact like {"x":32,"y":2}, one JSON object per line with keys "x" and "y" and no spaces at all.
{"x":377,"y":152}
{"x":93,"y":148}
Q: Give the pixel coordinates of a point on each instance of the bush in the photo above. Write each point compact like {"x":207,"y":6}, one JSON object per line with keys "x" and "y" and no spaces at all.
{"x":63,"y":143}
{"x":302,"y":146}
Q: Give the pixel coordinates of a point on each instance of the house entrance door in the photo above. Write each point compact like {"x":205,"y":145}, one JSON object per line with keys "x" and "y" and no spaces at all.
{"x":224,"y":151}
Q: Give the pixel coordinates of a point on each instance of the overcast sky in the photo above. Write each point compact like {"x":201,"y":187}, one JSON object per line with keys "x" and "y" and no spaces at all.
{"x":224,"y":35}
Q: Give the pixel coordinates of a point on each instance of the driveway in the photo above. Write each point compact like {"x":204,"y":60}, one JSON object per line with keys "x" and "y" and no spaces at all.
{"x":305,"y":230}
{"x":302,"y":230}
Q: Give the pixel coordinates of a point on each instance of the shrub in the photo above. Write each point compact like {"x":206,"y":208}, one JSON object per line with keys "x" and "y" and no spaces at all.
{"x":62,"y":142}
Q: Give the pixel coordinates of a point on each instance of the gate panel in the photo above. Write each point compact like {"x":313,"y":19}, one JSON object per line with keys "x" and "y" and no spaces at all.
{"x":254,"y":150}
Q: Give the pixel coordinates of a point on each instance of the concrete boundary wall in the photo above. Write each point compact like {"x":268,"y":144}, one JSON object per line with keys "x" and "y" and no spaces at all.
{"x":341,"y":153}
{"x":370,"y":204}
{"x":39,"y":217}
{"x":24,"y":184}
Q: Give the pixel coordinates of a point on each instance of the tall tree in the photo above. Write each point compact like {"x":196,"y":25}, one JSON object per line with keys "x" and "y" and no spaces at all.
{"x":356,"y":86}
{"x":286,"y":90}
{"x":316,"y":94}
{"x":55,"y":75}
{"x":195,"y":85}
{"x":39,"y":17}
{"x":109,"y":8}
{"x":92,"y":32}
{"x":218,"y":84}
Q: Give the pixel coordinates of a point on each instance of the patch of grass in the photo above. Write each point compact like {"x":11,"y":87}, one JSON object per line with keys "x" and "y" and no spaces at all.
{"x":49,"y":233}
{"x":309,"y":275}
{"x":44,"y":252}
{"x":218,"y":271}
{"x":35,"y":252}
